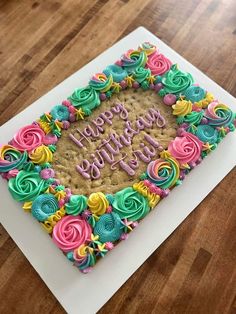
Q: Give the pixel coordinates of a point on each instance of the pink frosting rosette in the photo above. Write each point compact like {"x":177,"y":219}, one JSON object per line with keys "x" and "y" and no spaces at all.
{"x":158,"y":63}
{"x":70,"y":232}
{"x":28,"y":138}
{"x":186,"y":149}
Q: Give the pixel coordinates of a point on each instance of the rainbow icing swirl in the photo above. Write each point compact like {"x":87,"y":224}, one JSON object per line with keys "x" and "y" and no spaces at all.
{"x":11,"y":158}
{"x":164,"y":172}
{"x":133,"y":59}
{"x":219,"y":114}
{"x":101,"y":82}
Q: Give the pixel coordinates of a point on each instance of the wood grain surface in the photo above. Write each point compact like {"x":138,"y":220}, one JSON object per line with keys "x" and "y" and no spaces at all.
{"x":42,"y":43}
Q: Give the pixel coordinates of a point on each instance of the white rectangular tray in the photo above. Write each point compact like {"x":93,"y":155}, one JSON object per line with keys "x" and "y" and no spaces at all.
{"x":80,"y":293}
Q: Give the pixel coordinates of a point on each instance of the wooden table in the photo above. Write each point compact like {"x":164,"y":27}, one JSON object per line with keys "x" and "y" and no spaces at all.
{"x":43,"y":42}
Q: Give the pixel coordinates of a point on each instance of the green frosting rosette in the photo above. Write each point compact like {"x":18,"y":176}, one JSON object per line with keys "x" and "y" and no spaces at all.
{"x":175,"y":81}
{"x":85,"y":98}
{"x":140,"y":74}
{"x":26,"y":186}
{"x":193,"y":118}
{"x":76,"y":205}
{"x":130,"y":204}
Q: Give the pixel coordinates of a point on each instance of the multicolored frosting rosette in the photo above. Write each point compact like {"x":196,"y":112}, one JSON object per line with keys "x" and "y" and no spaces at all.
{"x":86,"y":98}
{"x":133,"y":59}
{"x":175,"y":81}
{"x":158,"y":63}
{"x":100,"y":82}
{"x":130,"y":204}
{"x":44,"y":206}
{"x":28,"y":138}
{"x":11,"y":158}
{"x":117,"y":72}
{"x":164,"y":172}
{"x":219,"y":115}
{"x":148,"y":48}
{"x":109,"y":227}
{"x":76,"y":205}
{"x":71,"y":232}
{"x":84,"y":257}
{"x":186,"y":149}
{"x":26,"y":186}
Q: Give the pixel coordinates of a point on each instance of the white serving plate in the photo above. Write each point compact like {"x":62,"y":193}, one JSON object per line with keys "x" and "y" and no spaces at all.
{"x":80,"y":293}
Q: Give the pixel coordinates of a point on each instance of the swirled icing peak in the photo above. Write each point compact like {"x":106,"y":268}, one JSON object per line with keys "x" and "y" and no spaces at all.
{"x":85,"y":98}
{"x":219,"y":114}
{"x":101,"y":82}
{"x":108,"y":228}
{"x":76,"y":205}
{"x":164,"y":172}
{"x":182,"y":107}
{"x":141,"y":74}
{"x":175,"y":81}
{"x":207,"y":134}
{"x":84,"y":257}
{"x":60,"y":113}
{"x":44,"y":206}
{"x":186,"y":149}
{"x":194,"y":93}
{"x":133,"y":59}
{"x":26,"y":186}
{"x":28,"y":138}
{"x":117,"y":72}
{"x":158,"y":63}
{"x":148,"y":48}
{"x":70,"y":232}
{"x":130,"y":204}
{"x":11,"y":158}
{"x":98,"y":203}
{"x":41,"y":155}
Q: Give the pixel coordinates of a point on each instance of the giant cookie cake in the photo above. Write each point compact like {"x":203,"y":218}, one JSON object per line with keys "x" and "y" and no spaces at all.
{"x":90,"y":169}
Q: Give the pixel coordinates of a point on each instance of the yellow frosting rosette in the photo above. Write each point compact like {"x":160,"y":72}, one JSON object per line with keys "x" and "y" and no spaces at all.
{"x":182,"y":107}
{"x":41,"y":155}
{"x":98,"y":203}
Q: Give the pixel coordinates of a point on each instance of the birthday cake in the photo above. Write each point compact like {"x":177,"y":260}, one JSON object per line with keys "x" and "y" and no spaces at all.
{"x":90,"y":169}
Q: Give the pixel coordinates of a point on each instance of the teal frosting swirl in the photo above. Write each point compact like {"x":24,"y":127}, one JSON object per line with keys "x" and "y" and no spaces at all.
{"x":194,"y":93}
{"x":117,"y":72}
{"x":175,"y":81}
{"x":207,"y":134}
{"x":140,"y":74}
{"x":109,"y":228}
{"x":13,"y":159}
{"x":26,"y":186}
{"x":194,"y":117}
{"x":130,"y":204}
{"x":44,"y":206}
{"x":60,"y":113}
{"x":85,"y":98}
{"x":76,"y":205}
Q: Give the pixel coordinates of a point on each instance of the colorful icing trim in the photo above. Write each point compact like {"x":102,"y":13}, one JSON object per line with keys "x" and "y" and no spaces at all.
{"x":86,"y":228}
